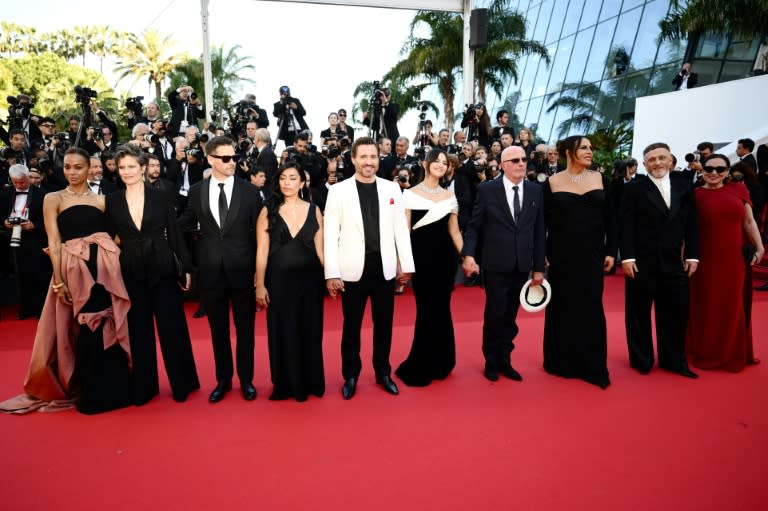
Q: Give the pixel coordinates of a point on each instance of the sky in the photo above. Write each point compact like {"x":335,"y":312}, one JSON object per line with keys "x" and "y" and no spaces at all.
{"x":322,"y":52}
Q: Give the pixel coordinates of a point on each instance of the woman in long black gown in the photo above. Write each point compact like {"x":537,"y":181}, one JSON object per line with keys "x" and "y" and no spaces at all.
{"x":581,"y":236}
{"x":432,"y":213}
{"x":290,"y":284}
{"x":144,"y":220}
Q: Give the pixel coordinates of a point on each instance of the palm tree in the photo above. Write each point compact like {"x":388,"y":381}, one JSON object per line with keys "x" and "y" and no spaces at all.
{"x":438,"y":57}
{"x":228,"y":70}
{"x":151,"y":56}
{"x":745,"y":18}
{"x":496,"y":63}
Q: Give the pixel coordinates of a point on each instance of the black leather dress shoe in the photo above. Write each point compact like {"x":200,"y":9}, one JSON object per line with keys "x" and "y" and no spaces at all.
{"x":491,"y":373}
{"x":199,"y":313}
{"x":218,"y":392}
{"x":249,"y":391}
{"x":510,"y":373}
{"x":349,"y":388}
{"x":387,"y":384}
{"x":688,"y":373}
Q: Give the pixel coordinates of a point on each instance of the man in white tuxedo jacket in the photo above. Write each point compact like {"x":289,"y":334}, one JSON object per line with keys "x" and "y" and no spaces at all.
{"x":367,"y":247}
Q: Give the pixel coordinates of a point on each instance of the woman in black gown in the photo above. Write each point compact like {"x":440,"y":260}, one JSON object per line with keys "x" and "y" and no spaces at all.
{"x":144,"y":220}
{"x":290,"y":284}
{"x":581,"y":236}
{"x":432,"y":213}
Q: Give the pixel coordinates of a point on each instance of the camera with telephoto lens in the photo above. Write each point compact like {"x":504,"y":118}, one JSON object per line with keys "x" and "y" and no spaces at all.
{"x":479,"y":167}
{"x":18,"y":109}
{"x":201,"y":138}
{"x":193,"y":152}
{"x":152,"y":138}
{"x":402,"y":179}
{"x":97,"y":134}
{"x":692,"y":157}
{"x":331,"y":151}
{"x":16,"y":222}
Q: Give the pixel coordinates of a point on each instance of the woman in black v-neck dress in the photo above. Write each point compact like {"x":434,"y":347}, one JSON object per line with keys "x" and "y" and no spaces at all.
{"x":291,"y":284}
{"x":145,"y":223}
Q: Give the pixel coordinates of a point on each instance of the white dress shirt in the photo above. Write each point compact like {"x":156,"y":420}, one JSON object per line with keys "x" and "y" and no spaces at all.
{"x":664,"y":188}
{"x":213,"y":195}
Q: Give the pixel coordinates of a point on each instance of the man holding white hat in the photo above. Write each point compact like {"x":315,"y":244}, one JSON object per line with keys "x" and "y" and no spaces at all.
{"x":508,"y":219}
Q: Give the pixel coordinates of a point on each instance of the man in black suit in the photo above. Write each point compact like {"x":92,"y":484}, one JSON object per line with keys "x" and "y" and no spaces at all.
{"x":185,"y":110}
{"x":508,"y":222}
{"x":744,"y":149}
{"x":290,"y":116}
{"x":387,"y":110}
{"x":659,"y":243}
{"x":226,"y":209}
{"x":265,"y":159}
{"x":32,"y":267}
{"x":685,"y":79}
{"x":400,"y":158}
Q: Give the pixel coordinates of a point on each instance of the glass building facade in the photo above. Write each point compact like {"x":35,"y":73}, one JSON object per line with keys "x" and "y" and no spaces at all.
{"x":604,"y":54}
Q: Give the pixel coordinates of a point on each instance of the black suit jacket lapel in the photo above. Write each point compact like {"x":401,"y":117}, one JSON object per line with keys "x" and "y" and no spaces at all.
{"x":654,"y":195}
{"x":528,"y":204}
{"x":234,"y":204}
{"x":501,"y":194}
{"x":205,"y":202}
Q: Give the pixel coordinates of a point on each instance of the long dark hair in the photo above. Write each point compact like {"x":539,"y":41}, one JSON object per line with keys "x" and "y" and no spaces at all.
{"x":276,"y":199}
{"x":569,"y":145}
{"x":431,"y":158}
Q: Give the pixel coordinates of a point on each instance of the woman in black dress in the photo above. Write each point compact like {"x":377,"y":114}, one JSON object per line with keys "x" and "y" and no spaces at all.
{"x":144,"y":220}
{"x":581,"y":238}
{"x":290,"y":283}
{"x":432,"y":213}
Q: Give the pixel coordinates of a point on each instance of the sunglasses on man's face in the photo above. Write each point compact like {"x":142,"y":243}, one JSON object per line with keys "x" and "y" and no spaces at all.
{"x":516,"y":160}
{"x":225,"y":159}
{"x":719,"y":170}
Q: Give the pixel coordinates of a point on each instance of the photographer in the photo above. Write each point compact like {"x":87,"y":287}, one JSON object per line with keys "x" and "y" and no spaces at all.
{"x":22,"y":205}
{"x":20,"y":117}
{"x":400,"y":159}
{"x":307,"y":157}
{"x":154,"y":176}
{"x":290,"y":116}
{"x":537,"y":166}
{"x":349,"y":130}
{"x":17,"y":151}
{"x":402,"y":177}
{"x":246,"y":112}
{"x":382,"y":107}
{"x":424,"y":135}
{"x":266,"y":159}
{"x":135,"y":115}
{"x":185,"y":110}
{"x":685,"y":79}
{"x":478,"y":124}
{"x":162,"y":144}
{"x":140,"y":137}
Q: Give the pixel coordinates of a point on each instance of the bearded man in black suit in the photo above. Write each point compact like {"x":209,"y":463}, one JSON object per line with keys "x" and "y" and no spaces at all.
{"x":226,"y":209}
{"x":659,"y":243}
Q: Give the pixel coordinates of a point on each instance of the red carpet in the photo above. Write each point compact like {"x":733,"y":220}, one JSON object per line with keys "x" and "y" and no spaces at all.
{"x":648,"y":442}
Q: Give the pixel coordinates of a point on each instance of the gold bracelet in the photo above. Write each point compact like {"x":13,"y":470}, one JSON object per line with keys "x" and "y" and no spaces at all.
{"x":56,"y":287}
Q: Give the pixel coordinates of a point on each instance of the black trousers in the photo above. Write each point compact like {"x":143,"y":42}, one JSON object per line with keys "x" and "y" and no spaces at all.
{"x":502,"y":300}
{"x":382,"y":294}
{"x":217,"y":302}
{"x":669,"y":295}
{"x":163,"y":304}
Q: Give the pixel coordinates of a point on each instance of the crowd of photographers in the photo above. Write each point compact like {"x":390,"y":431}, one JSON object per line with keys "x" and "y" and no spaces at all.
{"x":175,"y":142}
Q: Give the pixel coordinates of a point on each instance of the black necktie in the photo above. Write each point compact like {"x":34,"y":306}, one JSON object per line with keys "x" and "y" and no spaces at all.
{"x":516,"y":203}
{"x":21,"y":193}
{"x":223,"y":209}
